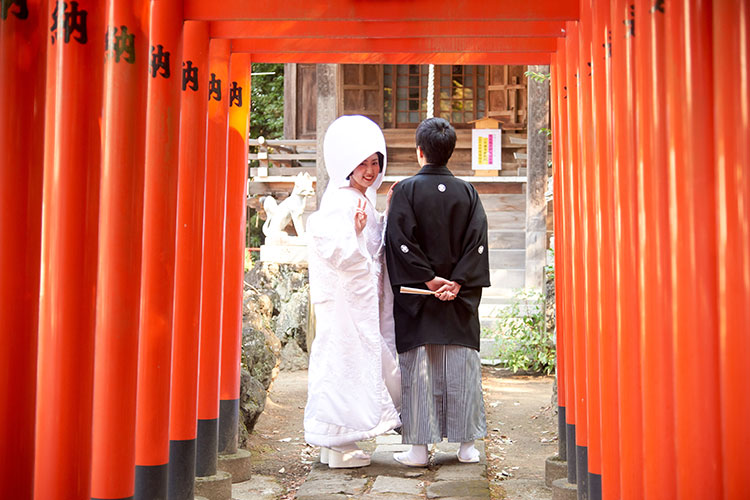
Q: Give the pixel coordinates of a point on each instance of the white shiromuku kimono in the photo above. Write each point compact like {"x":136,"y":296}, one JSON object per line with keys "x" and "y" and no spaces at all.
{"x":353,"y":379}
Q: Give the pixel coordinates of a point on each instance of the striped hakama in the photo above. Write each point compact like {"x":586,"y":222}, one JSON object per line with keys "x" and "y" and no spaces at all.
{"x":441,"y":394}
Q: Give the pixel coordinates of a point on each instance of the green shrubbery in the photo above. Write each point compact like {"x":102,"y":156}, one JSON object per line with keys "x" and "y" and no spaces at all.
{"x":525,"y":343}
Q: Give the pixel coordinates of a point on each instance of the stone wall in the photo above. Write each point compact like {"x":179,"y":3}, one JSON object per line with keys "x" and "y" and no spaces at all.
{"x":274,"y":333}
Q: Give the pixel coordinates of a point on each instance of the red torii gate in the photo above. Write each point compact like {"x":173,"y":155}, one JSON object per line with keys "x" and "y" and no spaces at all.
{"x":101,"y":193}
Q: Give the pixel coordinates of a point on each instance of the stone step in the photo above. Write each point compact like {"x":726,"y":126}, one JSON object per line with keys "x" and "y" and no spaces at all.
{"x":506,"y":220}
{"x":504,"y":203}
{"x":385,"y":478}
{"x":505,"y":278}
{"x":507,"y":239}
{"x":507,"y":259}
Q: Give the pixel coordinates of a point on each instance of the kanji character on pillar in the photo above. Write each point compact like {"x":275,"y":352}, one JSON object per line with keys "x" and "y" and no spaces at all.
{"x":235,"y":95}
{"x":21,"y":13}
{"x":159,"y":61}
{"x":630,"y":22}
{"x":120,"y":43}
{"x":608,"y":45}
{"x":74,"y":21}
{"x":214,"y":88}
{"x":189,"y":75}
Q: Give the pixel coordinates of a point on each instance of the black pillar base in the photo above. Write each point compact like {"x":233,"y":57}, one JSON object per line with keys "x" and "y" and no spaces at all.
{"x":582,"y":470}
{"x":181,"y":479}
{"x":571,"y":445}
{"x":229,"y":421}
{"x":151,"y":482}
{"x":562,"y":441}
{"x":595,"y":486}
{"x":207,"y":447}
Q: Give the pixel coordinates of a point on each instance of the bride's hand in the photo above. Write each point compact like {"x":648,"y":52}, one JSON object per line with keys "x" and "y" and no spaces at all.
{"x":360,"y":217}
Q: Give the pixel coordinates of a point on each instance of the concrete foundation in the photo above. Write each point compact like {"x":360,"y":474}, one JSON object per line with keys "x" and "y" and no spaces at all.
{"x":218,"y":487}
{"x":554,"y":469}
{"x":237,"y":465}
{"x":563,"y":490}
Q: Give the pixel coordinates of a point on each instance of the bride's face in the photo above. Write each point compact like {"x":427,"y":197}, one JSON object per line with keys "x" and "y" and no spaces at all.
{"x":365,"y":174}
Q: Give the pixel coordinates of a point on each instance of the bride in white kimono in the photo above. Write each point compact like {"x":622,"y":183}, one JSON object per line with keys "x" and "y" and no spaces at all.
{"x":354,"y":390}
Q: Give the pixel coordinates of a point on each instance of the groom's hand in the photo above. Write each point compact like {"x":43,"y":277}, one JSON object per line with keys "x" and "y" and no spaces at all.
{"x":436,"y":283}
{"x":444,"y":289}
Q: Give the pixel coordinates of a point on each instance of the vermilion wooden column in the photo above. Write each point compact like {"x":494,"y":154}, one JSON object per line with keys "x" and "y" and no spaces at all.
{"x":120,"y":228}
{"x":157,"y":273}
{"x":187,"y":305}
{"x":654,"y":282}
{"x":692,"y":186}
{"x":213,"y":259}
{"x":23,"y":47}
{"x":589,"y":205}
{"x":234,"y":260}
{"x":568,"y":316}
{"x":607,"y":291}
{"x":731,"y":41}
{"x":577,"y":262}
{"x":69,"y":251}
{"x":625,"y":202}
{"x":559,"y":248}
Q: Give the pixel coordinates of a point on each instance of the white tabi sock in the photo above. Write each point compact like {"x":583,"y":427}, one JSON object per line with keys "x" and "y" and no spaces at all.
{"x":467,"y":452}
{"x":417,"y":455}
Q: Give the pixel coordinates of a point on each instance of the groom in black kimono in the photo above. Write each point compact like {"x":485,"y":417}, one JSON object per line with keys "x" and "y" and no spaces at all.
{"x":436,"y":239}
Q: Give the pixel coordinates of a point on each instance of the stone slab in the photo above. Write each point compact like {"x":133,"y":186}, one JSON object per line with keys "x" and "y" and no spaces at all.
{"x":554,"y":469}
{"x":322,"y":497}
{"x":445,"y":453}
{"x":450,"y":489}
{"x":459,"y":471}
{"x":390,"y":496}
{"x":343,"y":485}
{"x":237,"y":465}
{"x":390,"y":484}
{"x":258,"y":488}
{"x":563,"y":490}
{"x":216,"y":487}
{"x":383,"y":464}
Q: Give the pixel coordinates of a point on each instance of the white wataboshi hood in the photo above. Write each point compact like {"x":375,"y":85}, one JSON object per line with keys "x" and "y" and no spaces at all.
{"x":349,"y":140}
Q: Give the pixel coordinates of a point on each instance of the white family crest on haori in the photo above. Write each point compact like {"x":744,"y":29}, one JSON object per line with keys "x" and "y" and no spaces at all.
{"x":278,"y":215}
{"x":354,"y":390}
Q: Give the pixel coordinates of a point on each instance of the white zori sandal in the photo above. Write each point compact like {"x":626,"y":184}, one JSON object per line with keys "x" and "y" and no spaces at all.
{"x":347,"y":457}
{"x":324,"y":454}
{"x":417,"y":456}
{"x":467,"y":453}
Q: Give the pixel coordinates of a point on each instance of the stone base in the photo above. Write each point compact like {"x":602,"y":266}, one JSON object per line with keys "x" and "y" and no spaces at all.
{"x":286,"y":253}
{"x":200,"y":498}
{"x":554,"y":469}
{"x":563,"y":490}
{"x":218,"y":487}
{"x":237,"y":465}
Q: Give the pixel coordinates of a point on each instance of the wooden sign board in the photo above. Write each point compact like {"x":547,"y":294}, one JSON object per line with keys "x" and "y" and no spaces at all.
{"x":486,"y":150}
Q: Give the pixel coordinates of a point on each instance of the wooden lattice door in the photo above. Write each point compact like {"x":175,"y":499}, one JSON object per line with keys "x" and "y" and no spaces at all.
{"x":506,"y":96}
{"x":362,"y":91}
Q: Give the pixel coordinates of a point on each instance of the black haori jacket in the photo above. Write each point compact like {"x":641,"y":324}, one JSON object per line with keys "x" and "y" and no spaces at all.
{"x":436,"y":227}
